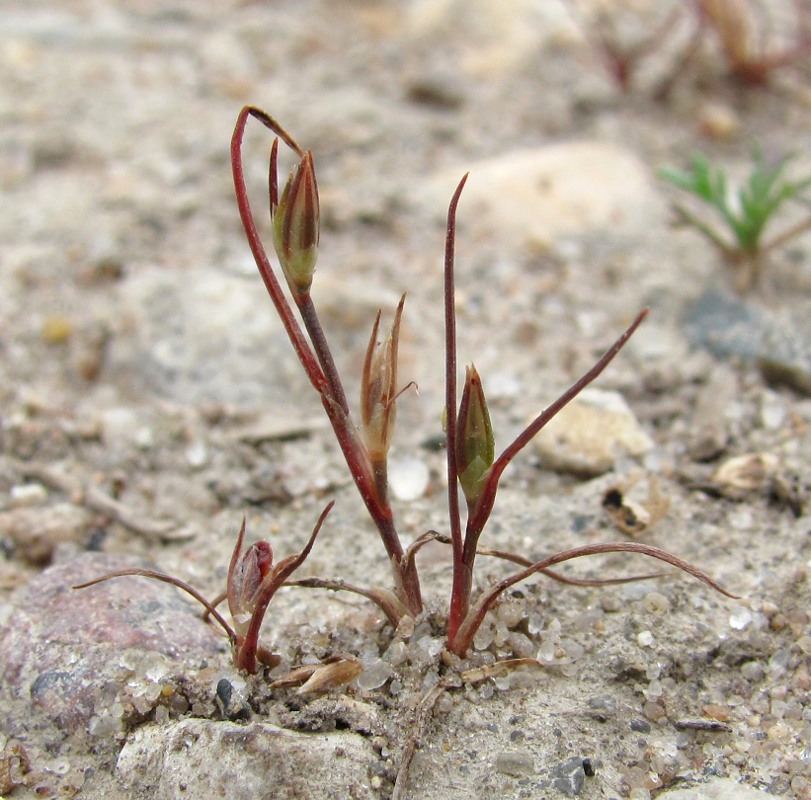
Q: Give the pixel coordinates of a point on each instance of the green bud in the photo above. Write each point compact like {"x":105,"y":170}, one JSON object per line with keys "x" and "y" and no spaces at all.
{"x":475,"y":443}
{"x":296,"y":226}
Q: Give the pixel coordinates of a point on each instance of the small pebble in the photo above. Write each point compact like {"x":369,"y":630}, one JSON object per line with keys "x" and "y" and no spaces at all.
{"x":515,"y":762}
{"x":28,"y":494}
{"x":752,"y":671}
{"x":408,"y":478}
{"x":197,"y":454}
{"x":655,"y":603}
{"x":740,"y":618}
{"x":56,"y":330}
{"x":718,"y":122}
{"x":375,"y":674}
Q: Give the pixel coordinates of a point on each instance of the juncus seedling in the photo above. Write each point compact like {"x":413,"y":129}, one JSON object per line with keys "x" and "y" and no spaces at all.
{"x":745,"y":211}
{"x":472,"y":460}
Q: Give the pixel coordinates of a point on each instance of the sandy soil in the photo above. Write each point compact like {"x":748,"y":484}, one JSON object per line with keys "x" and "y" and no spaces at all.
{"x":150,"y":399}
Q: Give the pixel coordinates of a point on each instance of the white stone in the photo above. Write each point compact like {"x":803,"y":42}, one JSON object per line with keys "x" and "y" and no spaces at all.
{"x":531,"y":198}
{"x":740,"y":618}
{"x":408,"y":478}
{"x":591,"y":433}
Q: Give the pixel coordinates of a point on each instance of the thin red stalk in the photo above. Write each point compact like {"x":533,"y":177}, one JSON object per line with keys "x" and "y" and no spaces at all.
{"x":386,"y":601}
{"x":322,"y":350}
{"x":459,"y":597}
{"x":559,"y":576}
{"x":354,"y":452}
{"x":461,"y":642}
{"x":434,"y":536}
{"x":160,"y":576}
{"x":246,"y":654}
{"x":283,"y":308}
{"x":478,"y":516}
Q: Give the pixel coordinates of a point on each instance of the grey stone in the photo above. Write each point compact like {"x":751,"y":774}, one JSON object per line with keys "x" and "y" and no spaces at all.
{"x":569,"y":776}
{"x":66,"y":656}
{"x":515,"y":762}
{"x":197,"y":758}
{"x":210,"y":337}
{"x":777,"y":341}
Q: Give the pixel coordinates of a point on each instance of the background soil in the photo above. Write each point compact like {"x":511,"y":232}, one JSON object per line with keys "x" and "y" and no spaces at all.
{"x":149,"y":399}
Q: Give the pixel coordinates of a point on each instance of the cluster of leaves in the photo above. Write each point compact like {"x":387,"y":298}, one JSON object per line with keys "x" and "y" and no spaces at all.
{"x":746,"y":210}
{"x":472,"y":463}
{"x":745,"y":33}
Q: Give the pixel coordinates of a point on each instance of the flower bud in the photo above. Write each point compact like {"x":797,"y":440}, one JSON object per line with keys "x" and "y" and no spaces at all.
{"x":475,"y":443}
{"x":249,"y":571}
{"x":378,"y":393}
{"x":296,"y":226}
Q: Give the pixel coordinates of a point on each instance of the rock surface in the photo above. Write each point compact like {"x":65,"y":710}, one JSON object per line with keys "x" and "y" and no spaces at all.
{"x":258,"y":761}
{"x":78,"y":662}
{"x":591,"y":433}
{"x":149,"y":398}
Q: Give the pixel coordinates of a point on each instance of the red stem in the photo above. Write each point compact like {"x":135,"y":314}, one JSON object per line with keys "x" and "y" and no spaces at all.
{"x":463,"y":564}
{"x":327,"y":385}
{"x":322,"y":351}
{"x":164,"y":578}
{"x":283,"y":309}
{"x":246,"y":652}
{"x":461,"y":642}
{"x":460,"y":592}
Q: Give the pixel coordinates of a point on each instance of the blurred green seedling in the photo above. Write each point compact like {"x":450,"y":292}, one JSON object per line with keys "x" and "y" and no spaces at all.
{"x":745,"y":211}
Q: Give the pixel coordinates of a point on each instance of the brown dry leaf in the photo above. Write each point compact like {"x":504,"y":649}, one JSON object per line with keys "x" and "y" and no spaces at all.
{"x":331,"y":676}
{"x":633,"y":518}
{"x":295,"y":677}
{"x":479,"y":674}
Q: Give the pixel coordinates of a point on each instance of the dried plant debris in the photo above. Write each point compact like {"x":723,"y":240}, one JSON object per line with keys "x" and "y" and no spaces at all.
{"x":633,"y":517}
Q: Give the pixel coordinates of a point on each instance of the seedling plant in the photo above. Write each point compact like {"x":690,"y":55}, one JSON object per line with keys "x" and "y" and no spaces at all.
{"x":746,"y":34}
{"x":746,"y":211}
{"x":472,"y":463}
{"x":754,"y":39}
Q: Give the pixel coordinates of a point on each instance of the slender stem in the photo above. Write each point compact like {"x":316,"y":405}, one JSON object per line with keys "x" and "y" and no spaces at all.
{"x":160,"y":576}
{"x":478,"y":516}
{"x":322,"y":351}
{"x":246,"y":652}
{"x":460,"y":593}
{"x":283,"y":309}
{"x":386,"y":601}
{"x":461,"y":642}
{"x":685,"y":217}
{"x":434,"y":536}
{"x":787,"y":235}
{"x":328,"y":385}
